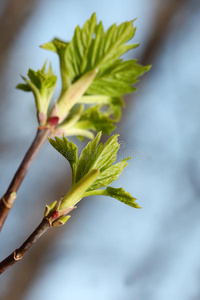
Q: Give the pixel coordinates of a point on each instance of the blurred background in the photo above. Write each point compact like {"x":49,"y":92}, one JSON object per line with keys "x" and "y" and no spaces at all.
{"x":108,"y":251}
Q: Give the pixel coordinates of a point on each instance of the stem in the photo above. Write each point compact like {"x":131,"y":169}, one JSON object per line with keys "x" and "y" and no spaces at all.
{"x":8,"y":199}
{"x":19,"y":253}
{"x":94,"y":193}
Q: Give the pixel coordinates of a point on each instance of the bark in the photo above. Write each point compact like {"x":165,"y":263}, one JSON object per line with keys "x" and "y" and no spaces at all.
{"x":8,"y":199}
{"x":32,"y":239}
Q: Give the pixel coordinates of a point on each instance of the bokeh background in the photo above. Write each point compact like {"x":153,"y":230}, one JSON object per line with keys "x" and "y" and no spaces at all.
{"x":108,"y":251}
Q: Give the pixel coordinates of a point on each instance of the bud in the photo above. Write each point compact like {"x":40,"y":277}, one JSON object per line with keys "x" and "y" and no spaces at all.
{"x":71,"y":96}
{"x":61,"y":221}
{"x":49,"y":208}
{"x":76,"y":192}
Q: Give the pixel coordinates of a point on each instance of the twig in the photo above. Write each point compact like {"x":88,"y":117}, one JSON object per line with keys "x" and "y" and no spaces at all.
{"x":12,"y":20}
{"x":32,"y":239}
{"x":8,"y":199}
{"x":165,"y":14}
{"x":52,"y":219}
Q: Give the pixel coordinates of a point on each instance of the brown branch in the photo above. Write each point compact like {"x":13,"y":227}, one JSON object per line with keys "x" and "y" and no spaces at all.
{"x":52,"y":219}
{"x":8,"y":199}
{"x":12,"y":20}
{"x":165,"y":14}
{"x":19,"y":253}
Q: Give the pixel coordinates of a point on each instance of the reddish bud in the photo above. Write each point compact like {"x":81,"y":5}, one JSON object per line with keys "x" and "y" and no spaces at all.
{"x":55,"y":215}
{"x":53,"y":121}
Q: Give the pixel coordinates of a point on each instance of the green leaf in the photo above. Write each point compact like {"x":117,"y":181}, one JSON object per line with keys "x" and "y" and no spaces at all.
{"x":91,"y":66}
{"x":114,"y":103}
{"x":56,"y":45}
{"x":68,"y":150}
{"x":117,"y":193}
{"x":87,"y":157}
{"x":23,"y":87}
{"x":110,"y":86}
{"x":70,"y":126}
{"x":77,"y":53}
{"x":118,"y":79}
{"x":110,"y":45}
{"x":79,"y":133}
{"x":93,"y":48}
{"x":60,"y":48}
{"x":73,"y":117}
{"x":108,"y":175}
{"x":93,"y":170}
{"x":94,"y":119}
{"x":97,"y":156}
{"x":107,"y":153}
{"x":42,"y":83}
{"x":121,"y":195}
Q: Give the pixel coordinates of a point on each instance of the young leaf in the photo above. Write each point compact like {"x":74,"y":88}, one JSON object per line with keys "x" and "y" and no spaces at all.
{"x":77,"y":53}
{"x":106,"y":154}
{"x":109,"y":175}
{"x":70,"y":125}
{"x":121,"y":195}
{"x":87,"y":157}
{"x":90,"y":49}
{"x":97,"y":156}
{"x":68,"y":150}
{"x":118,"y":79}
{"x":114,"y":103}
{"x":42,"y":84}
{"x":93,"y":119}
{"x":117,"y":193}
{"x":94,"y":170}
{"x":108,"y":46}
{"x":60,"y":47}
{"x":23,"y":87}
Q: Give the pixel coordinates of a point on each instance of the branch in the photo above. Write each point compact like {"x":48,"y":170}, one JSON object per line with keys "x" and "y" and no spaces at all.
{"x":165,"y":14}
{"x":50,"y":220}
{"x":12,"y":20}
{"x":32,"y":239}
{"x":8,"y":199}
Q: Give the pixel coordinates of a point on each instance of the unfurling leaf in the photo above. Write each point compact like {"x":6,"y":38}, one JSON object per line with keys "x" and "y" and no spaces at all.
{"x":94,"y":169}
{"x":94,"y":119}
{"x":42,"y":83}
{"x":94,"y":73}
{"x":117,"y":193}
{"x":60,"y":47}
{"x":68,"y":150}
{"x":109,"y":174}
{"x":71,"y":96}
{"x":121,"y":195}
{"x":97,"y":156}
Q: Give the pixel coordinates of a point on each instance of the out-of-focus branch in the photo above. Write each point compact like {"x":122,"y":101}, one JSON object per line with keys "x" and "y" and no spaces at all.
{"x":166,"y":12}
{"x":15,"y":13}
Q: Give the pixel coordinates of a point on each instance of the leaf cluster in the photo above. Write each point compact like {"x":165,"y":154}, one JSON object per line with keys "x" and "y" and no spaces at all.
{"x":94,"y":157}
{"x":42,"y":83}
{"x":93,"y":48}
